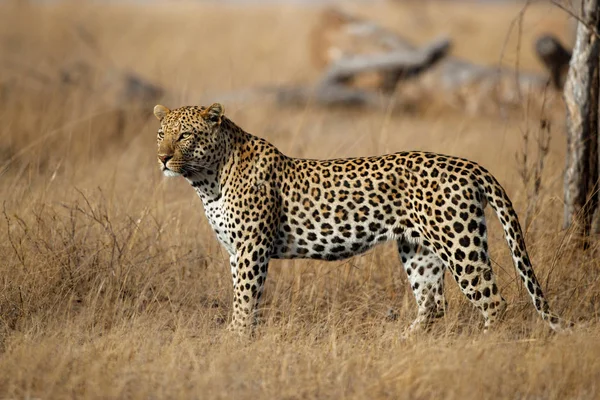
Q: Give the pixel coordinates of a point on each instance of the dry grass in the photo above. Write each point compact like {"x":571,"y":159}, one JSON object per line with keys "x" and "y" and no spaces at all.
{"x":113,"y":286}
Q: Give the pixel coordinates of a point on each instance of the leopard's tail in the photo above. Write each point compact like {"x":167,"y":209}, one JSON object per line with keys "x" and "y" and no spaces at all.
{"x":496,"y":196}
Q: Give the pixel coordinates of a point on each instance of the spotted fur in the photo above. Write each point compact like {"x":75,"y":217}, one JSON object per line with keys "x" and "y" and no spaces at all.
{"x":264,"y":205}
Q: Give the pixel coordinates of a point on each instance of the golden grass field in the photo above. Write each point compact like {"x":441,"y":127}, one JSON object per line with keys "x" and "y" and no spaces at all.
{"x":112,"y":284}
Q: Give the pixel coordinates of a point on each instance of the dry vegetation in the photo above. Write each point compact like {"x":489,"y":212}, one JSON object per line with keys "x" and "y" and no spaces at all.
{"x":113,"y":286}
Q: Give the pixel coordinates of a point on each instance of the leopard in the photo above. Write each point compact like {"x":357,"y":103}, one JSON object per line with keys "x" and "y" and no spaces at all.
{"x":264,"y":205}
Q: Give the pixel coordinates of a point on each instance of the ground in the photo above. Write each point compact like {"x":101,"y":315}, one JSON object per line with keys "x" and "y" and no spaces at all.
{"x":112,"y":284}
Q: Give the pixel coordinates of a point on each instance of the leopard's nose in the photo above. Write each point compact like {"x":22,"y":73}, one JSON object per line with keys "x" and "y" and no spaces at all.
{"x":164,"y":158}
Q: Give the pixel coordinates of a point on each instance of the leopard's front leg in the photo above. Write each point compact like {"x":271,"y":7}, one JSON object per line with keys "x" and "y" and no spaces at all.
{"x":256,"y":238}
{"x":251,"y":273}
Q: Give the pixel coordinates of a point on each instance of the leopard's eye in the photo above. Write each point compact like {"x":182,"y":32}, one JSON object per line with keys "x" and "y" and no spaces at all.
{"x":161,"y":134}
{"x":185,"y":135}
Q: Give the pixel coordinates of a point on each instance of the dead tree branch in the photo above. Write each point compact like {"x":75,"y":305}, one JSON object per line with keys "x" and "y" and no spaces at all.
{"x":395,"y":65}
{"x":402,"y":62}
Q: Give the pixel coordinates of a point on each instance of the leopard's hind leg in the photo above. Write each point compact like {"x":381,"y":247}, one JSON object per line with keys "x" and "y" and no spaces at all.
{"x":425,"y":272}
{"x":468,"y":260}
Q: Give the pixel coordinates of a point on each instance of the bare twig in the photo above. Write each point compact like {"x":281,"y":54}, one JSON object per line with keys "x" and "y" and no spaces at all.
{"x":590,"y":27}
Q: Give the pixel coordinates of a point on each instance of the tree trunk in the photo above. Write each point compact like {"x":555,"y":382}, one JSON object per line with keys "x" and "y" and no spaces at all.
{"x":581,"y":98}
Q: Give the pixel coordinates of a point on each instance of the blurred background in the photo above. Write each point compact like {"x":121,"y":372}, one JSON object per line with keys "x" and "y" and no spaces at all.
{"x":112,"y":284}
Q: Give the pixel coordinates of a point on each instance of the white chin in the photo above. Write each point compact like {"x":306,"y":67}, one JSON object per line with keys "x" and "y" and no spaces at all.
{"x":168,"y":172}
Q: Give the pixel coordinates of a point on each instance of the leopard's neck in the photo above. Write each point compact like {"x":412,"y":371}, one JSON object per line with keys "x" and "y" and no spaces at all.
{"x":211,"y":182}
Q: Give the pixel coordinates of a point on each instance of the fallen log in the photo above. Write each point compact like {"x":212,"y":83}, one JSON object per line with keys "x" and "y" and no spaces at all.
{"x":349,"y":47}
{"x":333,"y":88}
{"x":403,"y":63}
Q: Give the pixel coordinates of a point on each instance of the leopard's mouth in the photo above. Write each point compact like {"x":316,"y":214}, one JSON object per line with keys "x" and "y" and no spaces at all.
{"x":167,"y":172}
{"x":180,"y":169}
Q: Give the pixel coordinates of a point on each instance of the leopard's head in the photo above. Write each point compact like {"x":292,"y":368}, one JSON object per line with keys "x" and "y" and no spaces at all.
{"x":188,"y":139}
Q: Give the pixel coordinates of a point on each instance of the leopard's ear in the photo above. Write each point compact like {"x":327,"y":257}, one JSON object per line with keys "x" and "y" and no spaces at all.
{"x":161,"y":111}
{"x":214,"y":114}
